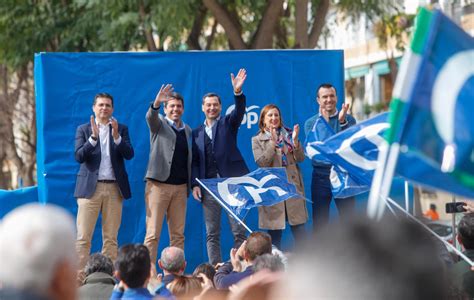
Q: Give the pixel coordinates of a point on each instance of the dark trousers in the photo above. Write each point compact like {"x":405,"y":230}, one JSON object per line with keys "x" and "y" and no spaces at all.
{"x":212,"y":217}
{"x":298,"y":232}
{"x":321,"y":196}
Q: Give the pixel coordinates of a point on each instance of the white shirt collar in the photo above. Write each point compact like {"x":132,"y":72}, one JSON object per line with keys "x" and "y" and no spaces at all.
{"x":174,"y":124}
{"x":213,"y":122}
{"x":333,"y":115}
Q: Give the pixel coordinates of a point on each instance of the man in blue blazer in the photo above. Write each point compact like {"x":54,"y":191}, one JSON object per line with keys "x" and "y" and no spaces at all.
{"x":102,"y":182}
{"x":215,"y":154}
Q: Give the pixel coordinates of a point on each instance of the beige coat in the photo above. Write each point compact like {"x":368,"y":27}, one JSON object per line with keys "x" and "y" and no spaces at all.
{"x":265,"y":155}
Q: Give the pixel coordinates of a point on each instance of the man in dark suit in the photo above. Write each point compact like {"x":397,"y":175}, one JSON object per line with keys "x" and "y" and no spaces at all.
{"x":215,"y":154}
{"x":102,"y":182}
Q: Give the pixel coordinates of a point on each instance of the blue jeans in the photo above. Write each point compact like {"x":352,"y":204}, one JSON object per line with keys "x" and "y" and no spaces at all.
{"x":321,"y":196}
{"x":212,"y":217}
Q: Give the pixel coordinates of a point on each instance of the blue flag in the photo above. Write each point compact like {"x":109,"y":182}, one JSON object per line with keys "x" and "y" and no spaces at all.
{"x":433,"y":105}
{"x":353,"y":154}
{"x":262,"y":187}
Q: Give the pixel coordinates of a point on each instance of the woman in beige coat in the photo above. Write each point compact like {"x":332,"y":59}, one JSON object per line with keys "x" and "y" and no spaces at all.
{"x":278,"y":146}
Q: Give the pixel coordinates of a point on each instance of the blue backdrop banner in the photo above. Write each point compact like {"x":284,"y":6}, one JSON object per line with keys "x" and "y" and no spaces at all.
{"x":67,"y":82}
{"x":9,"y":200}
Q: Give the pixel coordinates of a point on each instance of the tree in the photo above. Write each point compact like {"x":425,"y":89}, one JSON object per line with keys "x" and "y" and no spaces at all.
{"x":292,"y":23}
{"x":32,"y":26}
{"x":392,"y":31}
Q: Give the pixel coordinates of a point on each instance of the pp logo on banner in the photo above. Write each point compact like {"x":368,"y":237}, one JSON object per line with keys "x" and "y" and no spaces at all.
{"x":250,"y":117}
{"x":255,"y":191}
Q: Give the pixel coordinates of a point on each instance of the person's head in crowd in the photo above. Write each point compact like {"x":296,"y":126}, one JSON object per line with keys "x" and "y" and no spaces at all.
{"x":269,"y":262}
{"x":258,"y":243}
{"x":37,"y":252}
{"x":185,"y":287}
{"x":366,"y":259}
{"x":206,"y":269}
{"x":99,"y":263}
{"x":466,"y":231}
{"x":172,"y":260}
{"x":133,"y":265}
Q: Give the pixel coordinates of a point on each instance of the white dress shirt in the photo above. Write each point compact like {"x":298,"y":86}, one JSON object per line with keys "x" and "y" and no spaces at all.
{"x":106,"y":172}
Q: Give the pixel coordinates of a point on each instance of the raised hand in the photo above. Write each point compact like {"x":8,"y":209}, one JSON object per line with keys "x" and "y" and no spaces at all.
{"x":114,"y":124}
{"x":163,"y":95}
{"x":95,"y":129}
{"x":238,"y":81}
{"x":469,"y":207}
{"x":235,"y":255}
{"x":296,"y":132}
{"x":234,"y":259}
{"x":343,"y":113}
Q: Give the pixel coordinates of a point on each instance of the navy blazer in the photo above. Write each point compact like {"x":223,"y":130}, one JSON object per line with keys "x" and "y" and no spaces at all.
{"x":89,"y":157}
{"x":230,"y":162}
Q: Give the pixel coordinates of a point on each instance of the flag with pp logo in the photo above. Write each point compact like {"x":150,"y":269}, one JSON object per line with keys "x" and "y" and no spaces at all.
{"x":262,"y":187}
{"x":352,"y":153}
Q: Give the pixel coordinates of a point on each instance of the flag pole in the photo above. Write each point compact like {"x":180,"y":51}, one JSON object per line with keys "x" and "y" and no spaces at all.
{"x":373,"y":203}
{"x":224,"y":206}
{"x":466,"y":259}
{"x":453,"y":223}
{"x":407,"y":197}
{"x":388,"y":175}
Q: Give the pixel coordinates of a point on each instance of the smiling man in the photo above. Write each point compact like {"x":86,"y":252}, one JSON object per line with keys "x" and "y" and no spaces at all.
{"x":215,"y":154}
{"x":169,"y":170}
{"x":328,"y":122}
{"x":102,"y":181}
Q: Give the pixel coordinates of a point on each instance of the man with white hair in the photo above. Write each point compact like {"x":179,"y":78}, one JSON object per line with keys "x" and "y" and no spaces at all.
{"x":37,"y":254}
{"x":172,"y":262}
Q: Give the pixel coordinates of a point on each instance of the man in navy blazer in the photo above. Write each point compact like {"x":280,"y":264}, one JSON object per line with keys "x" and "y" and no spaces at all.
{"x":215,"y":154}
{"x":102,"y":182}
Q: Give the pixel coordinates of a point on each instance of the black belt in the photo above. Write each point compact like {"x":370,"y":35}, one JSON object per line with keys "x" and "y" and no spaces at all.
{"x":106,"y":181}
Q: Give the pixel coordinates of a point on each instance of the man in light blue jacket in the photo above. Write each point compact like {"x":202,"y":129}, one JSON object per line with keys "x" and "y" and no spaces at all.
{"x":327,"y":123}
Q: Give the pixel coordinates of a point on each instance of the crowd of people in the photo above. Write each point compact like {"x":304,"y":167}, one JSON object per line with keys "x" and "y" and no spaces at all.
{"x":356,"y":258}
{"x":44,"y":256}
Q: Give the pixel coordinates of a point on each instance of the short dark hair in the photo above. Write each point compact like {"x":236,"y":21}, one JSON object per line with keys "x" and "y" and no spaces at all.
{"x":466,"y":231}
{"x":177,"y":96}
{"x":433,"y":206}
{"x":103,"y":95}
{"x":99,"y":263}
{"x":207,"y":269}
{"x":133,"y":264}
{"x":211,"y":95}
{"x":326,"y":86}
{"x":258,"y":243}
